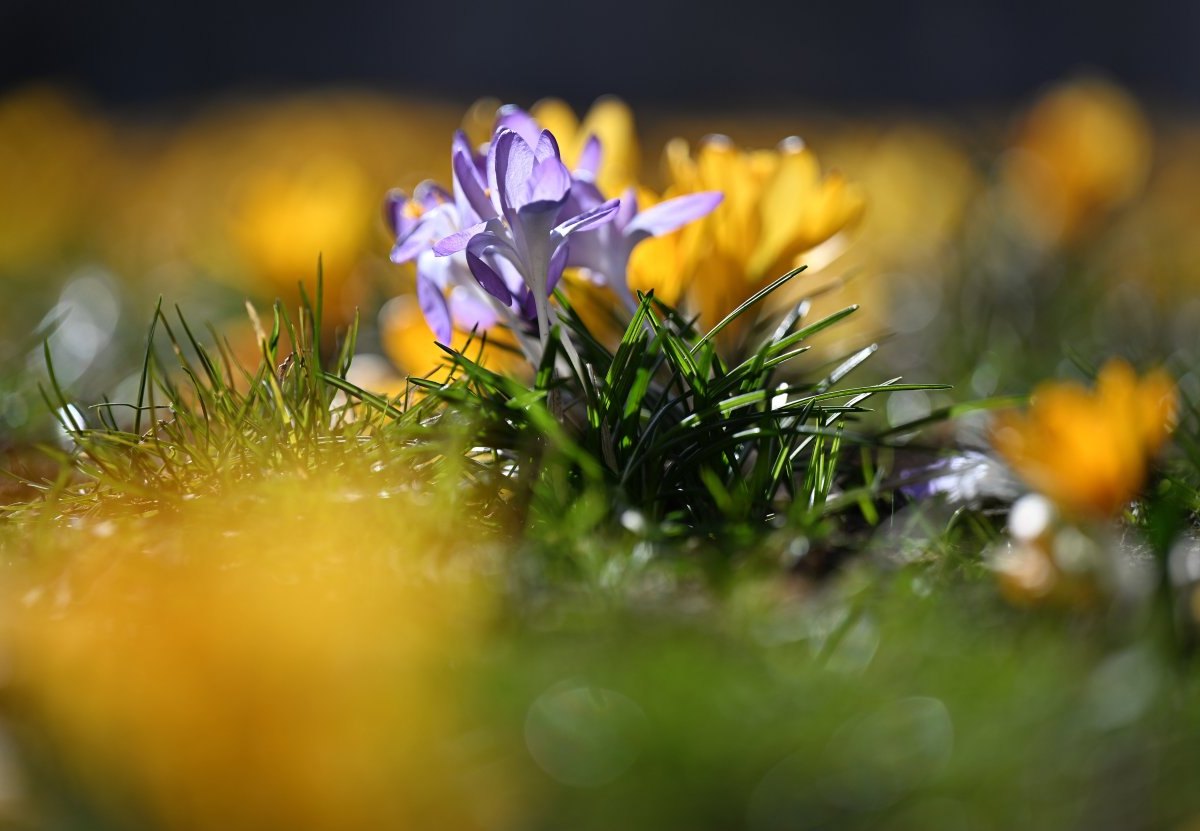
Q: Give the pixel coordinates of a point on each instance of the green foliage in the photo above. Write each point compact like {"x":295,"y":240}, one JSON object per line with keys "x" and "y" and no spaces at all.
{"x":664,"y":426}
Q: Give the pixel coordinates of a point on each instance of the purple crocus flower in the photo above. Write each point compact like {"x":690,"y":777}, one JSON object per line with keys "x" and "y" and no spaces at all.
{"x":447,"y":292}
{"x":524,"y":218}
{"x":605,"y":252}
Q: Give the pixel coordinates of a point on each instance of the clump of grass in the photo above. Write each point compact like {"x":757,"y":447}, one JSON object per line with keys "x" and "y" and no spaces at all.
{"x":660,"y":434}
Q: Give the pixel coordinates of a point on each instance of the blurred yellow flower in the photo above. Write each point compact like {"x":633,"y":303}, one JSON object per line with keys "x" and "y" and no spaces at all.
{"x":1082,"y":151}
{"x":252,"y":192}
{"x":1089,"y":451}
{"x":777,"y":207}
{"x":288,"y":666}
{"x":284,"y":215}
{"x":50,"y":174}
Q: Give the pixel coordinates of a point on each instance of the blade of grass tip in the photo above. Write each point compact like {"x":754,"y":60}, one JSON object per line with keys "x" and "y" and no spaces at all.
{"x":797,"y":313}
{"x":319,"y":318}
{"x":63,"y":406}
{"x":216,"y":382}
{"x":226,"y":357}
{"x":141,"y":395}
{"x":741,"y":309}
{"x":315,"y":397}
{"x":346,"y":350}
{"x":810,"y":330}
{"x":267,"y":347}
{"x":955,"y":411}
{"x":189,"y":371}
{"x":847,"y":366}
{"x":104,"y":414}
{"x":369,"y":398}
{"x":305,"y":318}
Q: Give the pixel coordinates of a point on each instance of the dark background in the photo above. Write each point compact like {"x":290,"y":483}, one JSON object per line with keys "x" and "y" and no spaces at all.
{"x":149,"y":53}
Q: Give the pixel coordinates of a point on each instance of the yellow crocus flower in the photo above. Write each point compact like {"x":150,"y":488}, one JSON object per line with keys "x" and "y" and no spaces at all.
{"x":778,"y":205}
{"x":1089,"y":451}
{"x":317,"y":202}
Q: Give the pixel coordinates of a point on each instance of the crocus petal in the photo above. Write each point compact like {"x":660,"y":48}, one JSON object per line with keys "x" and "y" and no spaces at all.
{"x":487,"y":277}
{"x":471,"y":310}
{"x":393,"y":211}
{"x":546,"y":147}
{"x":673,"y":214}
{"x":458,"y":241}
{"x":507,"y":269}
{"x":628,"y":209}
{"x":430,"y":194}
{"x":490,"y":242}
{"x":461,"y":144}
{"x":514,"y":118}
{"x":551,"y":181}
{"x":558,"y":261}
{"x":434,"y":307}
{"x":527,"y":306}
{"x":589,"y":219}
{"x":589,"y":248}
{"x":470,"y":189}
{"x":443,"y":271}
{"x":589,"y":159}
{"x":497,"y":161}
{"x":583,"y":197}
{"x":515,"y":163}
{"x":409,"y":247}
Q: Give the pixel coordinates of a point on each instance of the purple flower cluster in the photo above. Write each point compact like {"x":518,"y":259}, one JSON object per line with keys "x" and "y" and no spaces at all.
{"x":494,"y":249}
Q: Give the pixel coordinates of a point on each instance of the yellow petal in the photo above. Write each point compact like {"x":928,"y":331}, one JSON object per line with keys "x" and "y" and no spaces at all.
{"x":611,"y":121}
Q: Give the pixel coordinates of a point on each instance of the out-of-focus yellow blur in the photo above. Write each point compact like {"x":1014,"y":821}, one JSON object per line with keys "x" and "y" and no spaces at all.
{"x":291,"y":664}
{"x":53,"y":162}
